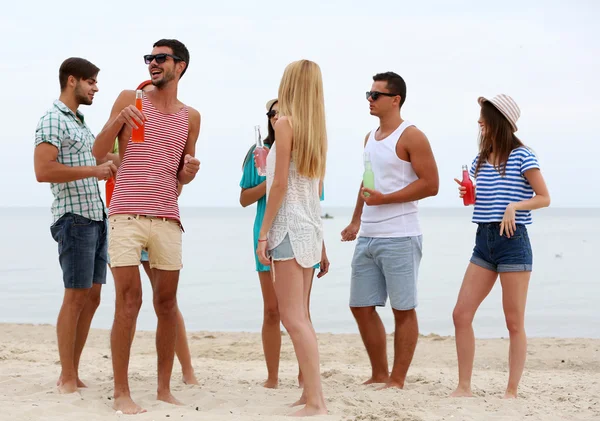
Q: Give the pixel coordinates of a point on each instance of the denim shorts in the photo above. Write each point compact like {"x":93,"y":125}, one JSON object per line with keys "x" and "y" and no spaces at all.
{"x":386,"y":266}
{"x":500,"y":253}
{"x":284,"y":251}
{"x":82,"y":250}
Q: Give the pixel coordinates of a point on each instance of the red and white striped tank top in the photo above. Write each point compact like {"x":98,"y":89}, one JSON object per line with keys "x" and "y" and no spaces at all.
{"x":147,"y":178}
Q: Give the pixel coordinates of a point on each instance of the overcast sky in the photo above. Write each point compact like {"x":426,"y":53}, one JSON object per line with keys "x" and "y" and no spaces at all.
{"x":545,"y":54}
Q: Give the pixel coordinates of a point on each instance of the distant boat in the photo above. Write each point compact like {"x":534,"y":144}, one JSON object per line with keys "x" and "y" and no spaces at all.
{"x":327,"y":216}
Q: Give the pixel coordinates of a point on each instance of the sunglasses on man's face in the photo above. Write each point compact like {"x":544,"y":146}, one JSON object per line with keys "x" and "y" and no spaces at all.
{"x":160,"y":58}
{"x":272,"y":113}
{"x":376,"y":94}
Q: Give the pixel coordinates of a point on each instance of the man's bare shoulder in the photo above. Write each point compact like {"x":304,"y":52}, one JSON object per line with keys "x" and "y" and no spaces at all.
{"x":193,"y":113}
{"x":413,"y":135}
{"x":125,"y":98}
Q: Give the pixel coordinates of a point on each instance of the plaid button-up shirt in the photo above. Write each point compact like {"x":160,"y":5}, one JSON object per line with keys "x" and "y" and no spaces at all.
{"x":68,"y":132}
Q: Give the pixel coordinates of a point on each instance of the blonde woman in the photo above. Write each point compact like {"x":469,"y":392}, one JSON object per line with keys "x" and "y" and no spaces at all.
{"x":291,"y":235}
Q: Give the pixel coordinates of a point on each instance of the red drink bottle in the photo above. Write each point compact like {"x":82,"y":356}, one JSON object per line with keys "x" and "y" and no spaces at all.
{"x":469,"y":197}
{"x":137,"y":135}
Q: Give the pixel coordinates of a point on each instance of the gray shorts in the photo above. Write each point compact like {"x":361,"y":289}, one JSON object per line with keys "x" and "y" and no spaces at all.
{"x":283,"y":251}
{"x":386,"y":266}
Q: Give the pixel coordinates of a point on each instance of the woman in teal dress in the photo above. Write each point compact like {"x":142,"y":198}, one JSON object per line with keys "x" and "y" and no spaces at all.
{"x":254,"y":190}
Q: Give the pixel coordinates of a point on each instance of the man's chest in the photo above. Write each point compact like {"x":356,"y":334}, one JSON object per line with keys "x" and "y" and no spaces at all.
{"x":77,"y":142}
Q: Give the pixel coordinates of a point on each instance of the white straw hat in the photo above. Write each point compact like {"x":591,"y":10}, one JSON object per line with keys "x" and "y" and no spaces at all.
{"x":507,"y":106}
{"x":270,"y":104}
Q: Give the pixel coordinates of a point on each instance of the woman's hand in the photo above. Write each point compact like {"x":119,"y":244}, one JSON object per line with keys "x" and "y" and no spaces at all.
{"x":261,"y":252}
{"x":324,"y":266}
{"x":508,"y":224}
{"x":462,"y":190}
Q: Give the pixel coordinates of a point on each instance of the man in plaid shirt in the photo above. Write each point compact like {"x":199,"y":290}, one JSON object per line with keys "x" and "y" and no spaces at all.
{"x":63,"y":157}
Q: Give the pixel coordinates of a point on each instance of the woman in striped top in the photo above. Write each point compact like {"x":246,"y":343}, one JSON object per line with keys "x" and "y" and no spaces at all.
{"x":509,"y":186}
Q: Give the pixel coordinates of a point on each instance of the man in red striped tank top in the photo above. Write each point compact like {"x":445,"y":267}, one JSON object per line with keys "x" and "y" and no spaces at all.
{"x":144,"y":212}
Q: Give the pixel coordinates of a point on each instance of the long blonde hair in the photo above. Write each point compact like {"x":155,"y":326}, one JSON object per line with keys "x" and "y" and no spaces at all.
{"x":301,"y":99}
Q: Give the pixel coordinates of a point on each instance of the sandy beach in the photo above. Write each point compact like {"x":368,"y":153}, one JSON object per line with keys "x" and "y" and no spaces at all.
{"x":561,"y":380}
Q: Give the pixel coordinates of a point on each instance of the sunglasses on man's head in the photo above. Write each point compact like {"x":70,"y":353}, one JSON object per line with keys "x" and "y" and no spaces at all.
{"x":376,"y":94}
{"x":160,"y":58}
{"x":272,"y":113}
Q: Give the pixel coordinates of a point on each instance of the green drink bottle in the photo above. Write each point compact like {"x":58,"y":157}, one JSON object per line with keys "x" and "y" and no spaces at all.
{"x":368,"y":176}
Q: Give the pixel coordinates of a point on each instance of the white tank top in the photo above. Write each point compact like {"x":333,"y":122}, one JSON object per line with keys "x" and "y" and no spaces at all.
{"x":391,"y":174}
{"x":299,"y":215}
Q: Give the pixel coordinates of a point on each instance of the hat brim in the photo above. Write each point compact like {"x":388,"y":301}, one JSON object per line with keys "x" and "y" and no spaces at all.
{"x":270,"y":103}
{"x":483,"y":99}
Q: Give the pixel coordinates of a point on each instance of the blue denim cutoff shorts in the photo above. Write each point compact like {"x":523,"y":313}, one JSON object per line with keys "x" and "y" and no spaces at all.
{"x":82,"y":250}
{"x":500,"y":253}
{"x":284,"y":251}
{"x":386,"y":266}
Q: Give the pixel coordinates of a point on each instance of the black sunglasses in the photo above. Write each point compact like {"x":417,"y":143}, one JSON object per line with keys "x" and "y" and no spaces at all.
{"x":272,"y":113}
{"x":160,"y":58}
{"x":376,"y":94}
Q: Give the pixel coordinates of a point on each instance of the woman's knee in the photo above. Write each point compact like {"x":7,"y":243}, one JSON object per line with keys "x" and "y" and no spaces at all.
{"x":271,"y":315}
{"x":514,"y":323}
{"x":462,"y":317}
{"x":294,"y":322}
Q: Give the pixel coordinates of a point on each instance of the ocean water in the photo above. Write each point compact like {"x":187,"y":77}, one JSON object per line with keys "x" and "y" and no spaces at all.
{"x":219,"y":289}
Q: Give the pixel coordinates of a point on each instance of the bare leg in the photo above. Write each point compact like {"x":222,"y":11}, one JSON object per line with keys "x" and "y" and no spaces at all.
{"x":182,"y":349}
{"x":308,"y":283}
{"x":271,"y":330}
{"x":165,"y":305}
{"x":307,"y":290}
{"x":289,"y":287}
{"x":74,"y":301}
{"x":128,"y":289}
{"x":514,"y":297}
{"x":476,"y":285}
{"x":372,"y":333}
{"x":406,"y":336}
{"x":83,"y":325}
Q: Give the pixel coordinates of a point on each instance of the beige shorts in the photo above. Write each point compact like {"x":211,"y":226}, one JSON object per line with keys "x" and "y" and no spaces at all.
{"x":129,"y":234}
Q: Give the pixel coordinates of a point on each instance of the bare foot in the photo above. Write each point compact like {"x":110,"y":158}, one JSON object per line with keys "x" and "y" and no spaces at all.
{"x":190,"y":378}
{"x":271,"y":384}
{"x":309,"y":411}
{"x":377,"y":379}
{"x":168,"y":398}
{"x":510,"y":395}
{"x":79,"y":382}
{"x":67,"y":387}
{"x":392,"y":384}
{"x":462,"y":392}
{"x":301,"y":401}
{"x":127,"y":406}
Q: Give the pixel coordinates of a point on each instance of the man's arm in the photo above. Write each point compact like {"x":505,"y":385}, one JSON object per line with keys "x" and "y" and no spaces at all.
{"x":114,"y":157}
{"x":360,"y":200}
{"x":123,"y":117}
{"x":185,"y":176}
{"x":49,"y":170}
{"x":351,"y":231}
{"x":425,"y":167}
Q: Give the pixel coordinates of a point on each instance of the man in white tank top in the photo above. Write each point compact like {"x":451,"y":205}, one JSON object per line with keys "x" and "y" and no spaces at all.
{"x":388,"y":252}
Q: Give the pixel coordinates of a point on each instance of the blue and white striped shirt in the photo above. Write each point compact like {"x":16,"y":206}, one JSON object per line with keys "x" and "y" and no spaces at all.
{"x":494,"y":192}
